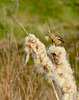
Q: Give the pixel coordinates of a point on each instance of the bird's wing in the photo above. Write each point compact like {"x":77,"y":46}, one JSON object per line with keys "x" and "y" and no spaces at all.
{"x":59,"y":38}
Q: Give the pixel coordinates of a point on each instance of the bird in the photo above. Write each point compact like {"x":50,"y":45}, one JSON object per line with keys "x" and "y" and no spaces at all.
{"x":55,"y":38}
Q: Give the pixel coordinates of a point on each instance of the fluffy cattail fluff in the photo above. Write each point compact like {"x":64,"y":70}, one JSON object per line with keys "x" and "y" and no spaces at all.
{"x":63,"y":74}
{"x":42,"y":61}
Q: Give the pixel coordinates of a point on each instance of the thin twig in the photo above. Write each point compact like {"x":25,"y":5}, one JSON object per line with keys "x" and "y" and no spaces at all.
{"x":47,"y":26}
{"x":20,"y":25}
{"x":26,"y":96}
{"x":55,"y":91}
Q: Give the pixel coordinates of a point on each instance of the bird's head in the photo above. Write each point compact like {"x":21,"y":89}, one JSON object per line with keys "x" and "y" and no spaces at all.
{"x":48,"y":36}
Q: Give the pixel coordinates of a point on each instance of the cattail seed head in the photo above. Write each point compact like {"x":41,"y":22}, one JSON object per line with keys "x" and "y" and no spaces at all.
{"x":63,"y":73}
{"x":42,"y":61}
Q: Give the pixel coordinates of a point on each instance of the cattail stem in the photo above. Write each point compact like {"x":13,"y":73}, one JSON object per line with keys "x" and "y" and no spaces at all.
{"x":55,"y":91}
{"x":47,"y":26}
{"x":20,"y":25}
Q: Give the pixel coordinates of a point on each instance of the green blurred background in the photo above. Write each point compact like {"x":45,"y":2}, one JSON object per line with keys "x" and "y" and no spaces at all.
{"x":62,"y":17}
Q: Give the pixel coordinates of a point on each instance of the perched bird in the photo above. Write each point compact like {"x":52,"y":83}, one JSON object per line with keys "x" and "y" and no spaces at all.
{"x":56,"y":39}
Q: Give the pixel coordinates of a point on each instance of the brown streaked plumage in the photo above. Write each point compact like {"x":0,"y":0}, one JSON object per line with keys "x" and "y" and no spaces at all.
{"x":56,"y":39}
